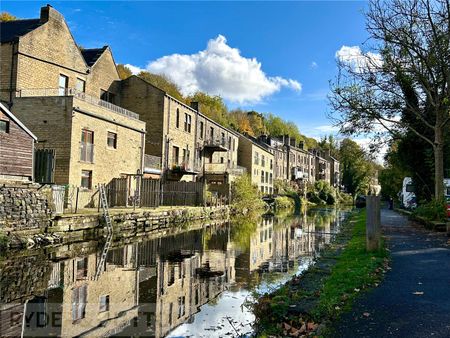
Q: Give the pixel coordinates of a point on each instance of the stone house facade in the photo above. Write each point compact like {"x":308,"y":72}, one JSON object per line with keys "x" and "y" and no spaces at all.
{"x":322,"y":166}
{"x":190,"y":145}
{"x":69,"y":98}
{"x":258,"y":160}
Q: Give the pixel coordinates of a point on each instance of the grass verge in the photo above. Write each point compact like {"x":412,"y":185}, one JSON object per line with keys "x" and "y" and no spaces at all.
{"x":307,"y":304}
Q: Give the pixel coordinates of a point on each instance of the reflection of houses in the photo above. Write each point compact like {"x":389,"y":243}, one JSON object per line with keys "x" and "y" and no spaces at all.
{"x":69,"y":98}
{"x":186,"y":277}
{"x":78,"y":304}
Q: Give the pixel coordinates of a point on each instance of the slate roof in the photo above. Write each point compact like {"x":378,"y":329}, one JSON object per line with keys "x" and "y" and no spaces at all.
{"x":11,"y":30}
{"x":91,"y":55}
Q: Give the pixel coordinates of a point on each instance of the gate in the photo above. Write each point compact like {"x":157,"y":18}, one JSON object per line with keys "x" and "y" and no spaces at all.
{"x":44,"y":165}
{"x":117,"y":192}
{"x":58,"y":192}
{"x":150,"y":192}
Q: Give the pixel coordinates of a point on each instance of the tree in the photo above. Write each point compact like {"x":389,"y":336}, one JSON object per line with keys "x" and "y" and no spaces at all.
{"x":5,"y":16}
{"x":211,"y":106}
{"x":164,"y":83}
{"x":405,"y":87}
{"x":357,"y":169}
{"x":124,"y":71}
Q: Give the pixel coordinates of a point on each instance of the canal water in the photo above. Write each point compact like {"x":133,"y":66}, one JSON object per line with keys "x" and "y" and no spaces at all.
{"x":196,"y":283}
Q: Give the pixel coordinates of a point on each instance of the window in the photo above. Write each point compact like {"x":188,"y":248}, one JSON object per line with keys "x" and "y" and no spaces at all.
{"x":86,"y":179}
{"x":263,"y":161}
{"x":270,"y":178}
{"x":175,"y":155}
{"x":262,"y":176}
{"x":267,"y":177}
{"x":81,"y":85}
{"x":4,"y":126}
{"x":81,"y":272}
{"x":256,"y":160}
{"x":87,"y":146}
{"x":181,"y":307}
{"x":79,"y":296}
{"x":211,"y":133}
{"x":63,"y":84}
{"x":104,"y":303}
{"x":202,"y":127}
{"x":229,"y":142}
{"x":112,"y":140}
{"x":187,"y":122}
{"x":223,"y":139}
{"x":177,"y":121}
{"x":271,"y":164}
{"x":234,"y":144}
{"x":222,"y":160}
{"x":107,"y":96}
{"x":186,"y":156}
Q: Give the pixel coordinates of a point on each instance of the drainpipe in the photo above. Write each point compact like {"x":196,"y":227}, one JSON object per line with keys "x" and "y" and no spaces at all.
{"x":11,"y":76}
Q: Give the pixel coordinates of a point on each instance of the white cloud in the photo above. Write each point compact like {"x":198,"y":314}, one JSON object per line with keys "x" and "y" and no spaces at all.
{"x":220,"y":70}
{"x":135,"y":70}
{"x":359,"y":61}
{"x":327,"y":129}
{"x":314,"y":65}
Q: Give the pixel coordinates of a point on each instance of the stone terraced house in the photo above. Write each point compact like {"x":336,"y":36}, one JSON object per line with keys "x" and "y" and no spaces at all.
{"x":258,"y":159}
{"x":190,"y":146}
{"x":68,"y":97}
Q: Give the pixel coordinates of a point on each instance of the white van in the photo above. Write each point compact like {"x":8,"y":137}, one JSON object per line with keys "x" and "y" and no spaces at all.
{"x":407,"y":195}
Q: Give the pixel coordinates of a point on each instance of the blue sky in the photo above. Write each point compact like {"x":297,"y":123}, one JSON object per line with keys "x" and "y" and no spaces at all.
{"x":294,"y":42}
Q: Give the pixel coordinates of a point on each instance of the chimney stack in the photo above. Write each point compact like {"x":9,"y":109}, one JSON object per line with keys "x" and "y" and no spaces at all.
{"x":195,"y":105}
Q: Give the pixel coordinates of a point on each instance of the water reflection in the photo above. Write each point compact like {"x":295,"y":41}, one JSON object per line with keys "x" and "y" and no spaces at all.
{"x":193,"y":283}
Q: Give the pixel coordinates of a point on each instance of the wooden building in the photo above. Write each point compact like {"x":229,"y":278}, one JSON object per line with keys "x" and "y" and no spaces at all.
{"x":16,"y":148}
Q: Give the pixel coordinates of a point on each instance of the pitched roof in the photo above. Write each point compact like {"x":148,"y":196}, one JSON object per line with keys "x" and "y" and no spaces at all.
{"x":11,"y":30}
{"x":91,"y":55}
{"x":15,"y":119}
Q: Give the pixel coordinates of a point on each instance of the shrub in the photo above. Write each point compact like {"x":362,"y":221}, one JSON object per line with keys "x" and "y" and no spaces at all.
{"x":245,"y":195}
{"x":284,"y":202}
{"x":435,"y":210}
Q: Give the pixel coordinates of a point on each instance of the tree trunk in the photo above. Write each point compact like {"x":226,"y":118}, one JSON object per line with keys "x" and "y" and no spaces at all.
{"x":439,"y":164}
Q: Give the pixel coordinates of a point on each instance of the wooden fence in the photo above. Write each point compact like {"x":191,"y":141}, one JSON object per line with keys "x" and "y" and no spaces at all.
{"x":182,"y":193}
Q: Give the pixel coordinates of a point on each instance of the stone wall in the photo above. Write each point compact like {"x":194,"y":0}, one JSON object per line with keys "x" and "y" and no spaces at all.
{"x":23,"y":208}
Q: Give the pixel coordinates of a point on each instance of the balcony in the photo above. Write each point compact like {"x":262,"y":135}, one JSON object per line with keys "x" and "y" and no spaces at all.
{"x":185,"y":168}
{"x":222,"y":168}
{"x":152,"y":164}
{"x":215,"y":144}
{"x":36,"y":92}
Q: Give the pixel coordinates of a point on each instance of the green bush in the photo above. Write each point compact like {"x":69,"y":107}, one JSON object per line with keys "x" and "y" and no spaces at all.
{"x":245,"y":195}
{"x":321,"y":193}
{"x":284,"y":202}
{"x":435,"y":210}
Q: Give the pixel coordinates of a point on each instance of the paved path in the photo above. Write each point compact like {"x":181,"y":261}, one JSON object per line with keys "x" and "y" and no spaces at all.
{"x":420,"y":263}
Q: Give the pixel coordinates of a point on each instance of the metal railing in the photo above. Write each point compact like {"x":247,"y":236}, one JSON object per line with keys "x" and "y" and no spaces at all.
{"x":153,"y":162}
{"x":224,"y":168}
{"x":186,"y":166}
{"x":35,"y":92}
{"x":215,"y":142}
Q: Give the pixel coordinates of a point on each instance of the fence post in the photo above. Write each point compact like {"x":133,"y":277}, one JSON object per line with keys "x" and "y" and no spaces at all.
{"x":373,"y":223}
